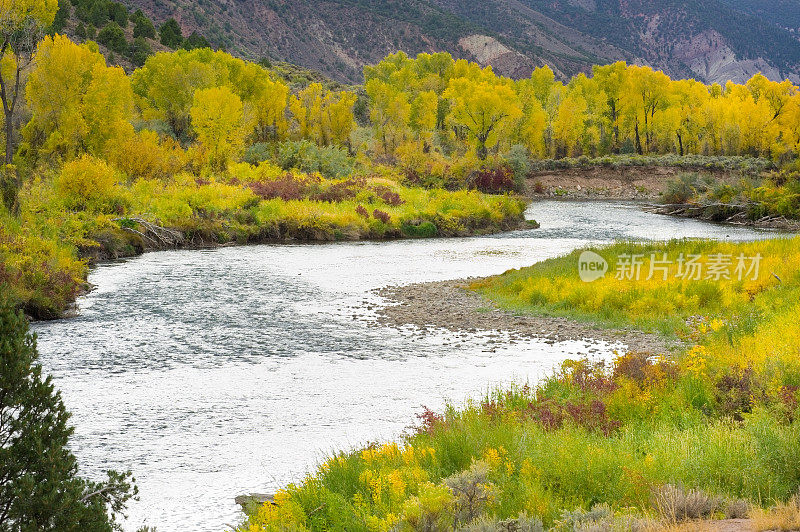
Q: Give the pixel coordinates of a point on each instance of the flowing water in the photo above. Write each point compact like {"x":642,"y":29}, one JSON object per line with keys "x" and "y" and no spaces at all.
{"x":216,"y":373}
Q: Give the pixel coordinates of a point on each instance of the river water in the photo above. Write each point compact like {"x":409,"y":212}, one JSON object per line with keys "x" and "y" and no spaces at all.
{"x":216,"y":373}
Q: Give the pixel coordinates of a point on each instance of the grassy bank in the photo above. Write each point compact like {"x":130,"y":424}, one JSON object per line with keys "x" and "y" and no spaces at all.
{"x":745,"y":166}
{"x":88,"y":212}
{"x":643,"y":443}
{"x":769,"y":200}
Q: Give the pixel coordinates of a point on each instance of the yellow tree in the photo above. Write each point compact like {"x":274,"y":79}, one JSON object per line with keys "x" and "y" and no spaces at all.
{"x":166,"y":83}
{"x":552,"y":105}
{"x":531,"y":127}
{"x":792,"y":125}
{"x":611,"y":79}
{"x":217,"y":119}
{"x":107,"y":107}
{"x":645,"y":94}
{"x":269,"y":110}
{"x":714,"y":119}
{"x":390,"y":113}
{"x":541,"y":83}
{"x":21,"y":26}
{"x":569,"y":124}
{"x":483,"y":109}
{"x":77,"y":103}
{"x":687,"y":98}
{"x":323,"y":117}
{"x":423,"y":117}
{"x":306,"y":110}
{"x":746,"y":122}
{"x":338,"y":117}
{"x":776,"y":97}
{"x":593,"y":134}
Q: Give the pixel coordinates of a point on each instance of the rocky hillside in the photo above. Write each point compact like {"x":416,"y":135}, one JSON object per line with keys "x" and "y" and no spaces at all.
{"x":714,"y":40}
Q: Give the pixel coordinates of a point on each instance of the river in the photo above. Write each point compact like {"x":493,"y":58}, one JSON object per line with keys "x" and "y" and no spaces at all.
{"x":216,"y":373}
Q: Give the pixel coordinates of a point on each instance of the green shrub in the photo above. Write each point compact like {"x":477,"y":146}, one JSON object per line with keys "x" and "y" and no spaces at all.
{"x":421,"y":230}
{"x":257,"y":153}
{"x":330,"y":161}
{"x":517,"y":158}
{"x":113,"y":37}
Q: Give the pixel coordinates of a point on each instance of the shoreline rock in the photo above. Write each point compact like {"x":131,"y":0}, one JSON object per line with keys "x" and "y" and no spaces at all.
{"x":254,"y":498}
{"x":452,"y":306}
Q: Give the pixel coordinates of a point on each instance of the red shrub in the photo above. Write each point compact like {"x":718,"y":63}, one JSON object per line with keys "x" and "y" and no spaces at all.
{"x":789,"y":402}
{"x":361,"y":211}
{"x":734,"y":392}
{"x":286,"y":187}
{"x":494,"y":180}
{"x":382,"y":216}
{"x":592,"y":378}
{"x":631,"y":365}
{"x":341,"y":191}
{"x":493,"y":409}
{"x":428,"y":420}
{"x":591,"y":415}
{"x":388,"y":196}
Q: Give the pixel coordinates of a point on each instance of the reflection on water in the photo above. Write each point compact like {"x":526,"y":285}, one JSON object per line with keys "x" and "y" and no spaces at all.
{"x":216,"y":373}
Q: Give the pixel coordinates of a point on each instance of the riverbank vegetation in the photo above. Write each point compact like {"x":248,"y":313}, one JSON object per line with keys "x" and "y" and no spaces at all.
{"x":196,"y":147}
{"x":773,"y":200}
{"x":647,"y":442}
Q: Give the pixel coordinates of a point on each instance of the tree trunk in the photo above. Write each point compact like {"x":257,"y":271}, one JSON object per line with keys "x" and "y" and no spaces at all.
{"x":9,"y":179}
{"x":9,"y":118}
{"x":482,"y":151}
{"x":615,"y":148}
{"x":638,"y":139}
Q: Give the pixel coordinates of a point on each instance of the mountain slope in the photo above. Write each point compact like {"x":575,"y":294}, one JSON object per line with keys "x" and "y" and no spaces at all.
{"x":713,"y":41}
{"x":783,"y":13}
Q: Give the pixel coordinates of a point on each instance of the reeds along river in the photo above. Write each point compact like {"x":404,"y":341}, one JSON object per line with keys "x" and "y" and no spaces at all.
{"x":216,"y":373}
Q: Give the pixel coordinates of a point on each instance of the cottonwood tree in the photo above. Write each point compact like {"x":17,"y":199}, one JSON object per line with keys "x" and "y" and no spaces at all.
{"x":390,"y":113}
{"x":40,"y":489}
{"x":217,"y":118}
{"x":424,"y":111}
{"x":22,"y":23}
{"x":610,"y":80}
{"x":78,"y":104}
{"x":483,"y":109}
{"x":646,"y":93}
{"x":687,"y":97}
{"x":268,"y":110}
{"x":322,"y":116}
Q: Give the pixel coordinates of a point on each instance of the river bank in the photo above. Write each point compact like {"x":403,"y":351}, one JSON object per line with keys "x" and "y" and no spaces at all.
{"x":640,"y":183}
{"x":732,"y":214}
{"x":45,"y":254}
{"x":451,"y":305}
